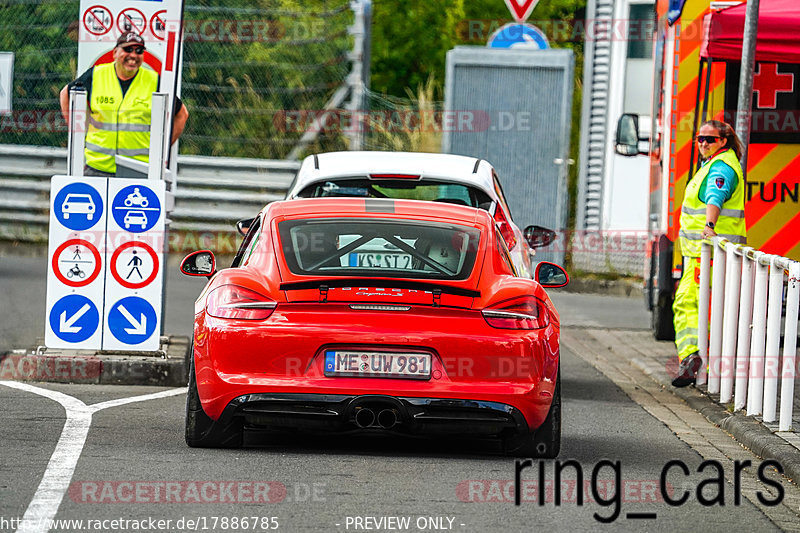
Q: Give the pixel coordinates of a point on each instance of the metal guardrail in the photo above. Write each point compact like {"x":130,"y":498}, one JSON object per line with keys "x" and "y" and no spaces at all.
{"x":212,"y":193}
{"x":743,"y":345}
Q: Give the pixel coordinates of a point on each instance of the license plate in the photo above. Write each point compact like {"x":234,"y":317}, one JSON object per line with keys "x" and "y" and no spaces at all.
{"x":377,"y":364}
{"x":380,"y":260}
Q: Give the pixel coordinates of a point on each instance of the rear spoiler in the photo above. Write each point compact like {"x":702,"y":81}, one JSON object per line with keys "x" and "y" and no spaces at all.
{"x":387,"y":283}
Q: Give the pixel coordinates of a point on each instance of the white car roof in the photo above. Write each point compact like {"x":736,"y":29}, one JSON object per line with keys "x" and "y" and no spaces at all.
{"x":455,"y":168}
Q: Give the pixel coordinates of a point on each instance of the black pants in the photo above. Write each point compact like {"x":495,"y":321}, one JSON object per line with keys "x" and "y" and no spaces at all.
{"x":89,"y":171}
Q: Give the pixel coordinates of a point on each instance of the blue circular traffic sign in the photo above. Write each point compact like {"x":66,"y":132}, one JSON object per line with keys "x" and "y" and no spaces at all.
{"x":78,"y":206}
{"x":74,"y":318}
{"x":136,"y":208}
{"x":519,"y":35}
{"x":132,"y":320}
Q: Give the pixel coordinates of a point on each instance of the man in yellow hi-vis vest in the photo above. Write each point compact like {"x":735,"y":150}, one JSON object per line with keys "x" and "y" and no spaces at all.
{"x":120,"y":97}
{"x":713,"y":204}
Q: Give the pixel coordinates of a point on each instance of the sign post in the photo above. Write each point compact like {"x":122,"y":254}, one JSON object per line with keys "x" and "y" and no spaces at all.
{"x":106,"y":257}
{"x":134,"y":273}
{"x":75,"y":251}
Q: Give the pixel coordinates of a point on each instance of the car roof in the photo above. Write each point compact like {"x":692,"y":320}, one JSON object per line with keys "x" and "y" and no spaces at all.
{"x":316,"y":207}
{"x":450,"y":167}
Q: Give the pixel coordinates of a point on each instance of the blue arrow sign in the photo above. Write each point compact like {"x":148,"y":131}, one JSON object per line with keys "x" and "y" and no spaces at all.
{"x":136,"y":208}
{"x":74,"y":318}
{"x":78,"y":206}
{"x":516,"y":35}
{"x":132,"y":320}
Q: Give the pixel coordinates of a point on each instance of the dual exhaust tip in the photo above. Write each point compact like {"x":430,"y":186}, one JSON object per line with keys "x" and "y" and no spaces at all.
{"x":384,"y":419}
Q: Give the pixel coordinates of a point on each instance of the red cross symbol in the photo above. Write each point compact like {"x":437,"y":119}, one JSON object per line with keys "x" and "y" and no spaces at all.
{"x":767,"y":83}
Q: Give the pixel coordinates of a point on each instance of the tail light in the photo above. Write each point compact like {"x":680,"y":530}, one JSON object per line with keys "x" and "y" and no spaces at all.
{"x":505,"y":228}
{"x":525,"y":312}
{"x":233,"y":301}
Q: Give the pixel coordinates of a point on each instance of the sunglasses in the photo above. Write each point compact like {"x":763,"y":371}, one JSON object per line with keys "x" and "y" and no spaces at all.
{"x":133,"y":48}
{"x":710,"y":139}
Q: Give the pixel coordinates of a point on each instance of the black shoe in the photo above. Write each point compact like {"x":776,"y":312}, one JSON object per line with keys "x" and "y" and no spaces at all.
{"x":687,"y":370}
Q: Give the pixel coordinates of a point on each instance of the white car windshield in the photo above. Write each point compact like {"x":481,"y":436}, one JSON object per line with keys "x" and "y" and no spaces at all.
{"x":399,"y":189}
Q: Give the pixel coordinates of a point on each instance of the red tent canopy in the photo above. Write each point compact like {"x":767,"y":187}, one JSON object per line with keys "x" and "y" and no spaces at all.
{"x":778,"y":32}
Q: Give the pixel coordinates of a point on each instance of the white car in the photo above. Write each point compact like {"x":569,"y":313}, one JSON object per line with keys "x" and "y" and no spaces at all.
{"x":420,"y":176}
{"x":80,"y":204}
{"x":138,"y":218}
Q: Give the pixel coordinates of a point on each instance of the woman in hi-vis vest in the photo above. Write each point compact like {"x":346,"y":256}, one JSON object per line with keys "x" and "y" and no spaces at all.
{"x":713,"y":204}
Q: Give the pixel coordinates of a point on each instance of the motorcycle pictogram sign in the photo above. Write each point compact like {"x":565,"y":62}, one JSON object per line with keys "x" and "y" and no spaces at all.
{"x":76,"y":263}
{"x":136,"y":208}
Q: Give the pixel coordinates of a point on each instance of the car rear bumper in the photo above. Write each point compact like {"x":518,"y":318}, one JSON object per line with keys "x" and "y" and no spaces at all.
{"x":345,"y":413}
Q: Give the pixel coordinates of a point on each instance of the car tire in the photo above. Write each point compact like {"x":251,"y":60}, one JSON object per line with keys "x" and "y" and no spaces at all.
{"x":661,"y":319}
{"x":545,"y":441}
{"x":201,"y":430}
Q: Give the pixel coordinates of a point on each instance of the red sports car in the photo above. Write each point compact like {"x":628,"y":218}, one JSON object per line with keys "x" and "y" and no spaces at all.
{"x":388,"y":316}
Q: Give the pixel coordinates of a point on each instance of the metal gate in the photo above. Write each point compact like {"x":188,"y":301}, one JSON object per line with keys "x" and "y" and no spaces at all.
{"x":521,"y":103}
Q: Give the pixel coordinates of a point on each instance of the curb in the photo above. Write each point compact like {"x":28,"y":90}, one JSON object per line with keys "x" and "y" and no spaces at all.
{"x":166,"y":367}
{"x":746,"y":430}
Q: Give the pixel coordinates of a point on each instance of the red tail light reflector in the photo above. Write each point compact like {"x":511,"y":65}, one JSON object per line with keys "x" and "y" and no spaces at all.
{"x":235,"y":302}
{"x":505,"y":228}
{"x":525,"y":312}
{"x":395,"y":176}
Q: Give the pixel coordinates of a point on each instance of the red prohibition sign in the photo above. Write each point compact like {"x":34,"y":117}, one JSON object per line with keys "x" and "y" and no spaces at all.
{"x":157,"y":18}
{"x":125,"y":283}
{"x":130,"y":14}
{"x":90,"y":18}
{"x":78,"y":282}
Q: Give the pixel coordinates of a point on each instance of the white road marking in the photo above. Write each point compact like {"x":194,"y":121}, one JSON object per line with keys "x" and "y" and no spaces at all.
{"x":61,"y":467}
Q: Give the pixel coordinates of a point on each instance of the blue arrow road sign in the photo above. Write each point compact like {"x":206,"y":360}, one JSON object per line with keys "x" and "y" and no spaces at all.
{"x":132,"y":320}
{"x":517,"y":35}
{"x":136,"y":208}
{"x":74,"y":318}
{"x":78,"y":206}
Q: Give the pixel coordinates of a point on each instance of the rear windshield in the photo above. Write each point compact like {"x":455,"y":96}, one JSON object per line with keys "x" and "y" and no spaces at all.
{"x":379,"y":247}
{"x":405,"y":189}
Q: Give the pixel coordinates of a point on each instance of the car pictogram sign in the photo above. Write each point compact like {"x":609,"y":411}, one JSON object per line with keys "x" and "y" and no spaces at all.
{"x":132,"y":320}
{"x":131,"y":19}
{"x":134,"y":264}
{"x":98,"y":20}
{"x":74,"y":318}
{"x":136,"y":208}
{"x":76,"y":263}
{"x":78,"y":206}
{"x":158,"y":24}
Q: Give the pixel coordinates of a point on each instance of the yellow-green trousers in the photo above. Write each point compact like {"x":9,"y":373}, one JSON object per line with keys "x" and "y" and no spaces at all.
{"x":685,"y":308}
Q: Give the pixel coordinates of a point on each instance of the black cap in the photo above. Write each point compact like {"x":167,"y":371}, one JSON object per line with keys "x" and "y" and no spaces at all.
{"x":130,"y":37}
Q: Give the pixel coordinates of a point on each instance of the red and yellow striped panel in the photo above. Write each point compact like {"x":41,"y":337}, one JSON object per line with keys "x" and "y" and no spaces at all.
{"x":773,"y":207}
{"x":772,"y":211}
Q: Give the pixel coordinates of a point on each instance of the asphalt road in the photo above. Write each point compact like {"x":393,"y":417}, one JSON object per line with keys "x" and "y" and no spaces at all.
{"x":132,"y":467}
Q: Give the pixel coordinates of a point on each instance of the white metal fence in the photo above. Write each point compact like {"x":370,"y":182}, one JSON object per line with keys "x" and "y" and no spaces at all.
{"x":743,"y":346}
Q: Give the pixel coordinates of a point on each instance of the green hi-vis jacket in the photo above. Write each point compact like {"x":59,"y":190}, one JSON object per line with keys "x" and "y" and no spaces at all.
{"x":119,"y":125}
{"x":730,"y":223}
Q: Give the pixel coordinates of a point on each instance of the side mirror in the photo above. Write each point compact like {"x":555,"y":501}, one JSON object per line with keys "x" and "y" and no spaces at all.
{"x":201,"y":263}
{"x":243,"y":226}
{"x":628,"y":137}
{"x":550,"y":275}
{"x":537,"y":236}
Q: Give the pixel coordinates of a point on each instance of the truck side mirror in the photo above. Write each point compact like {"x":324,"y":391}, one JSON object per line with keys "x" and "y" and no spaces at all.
{"x":627,"y":140}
